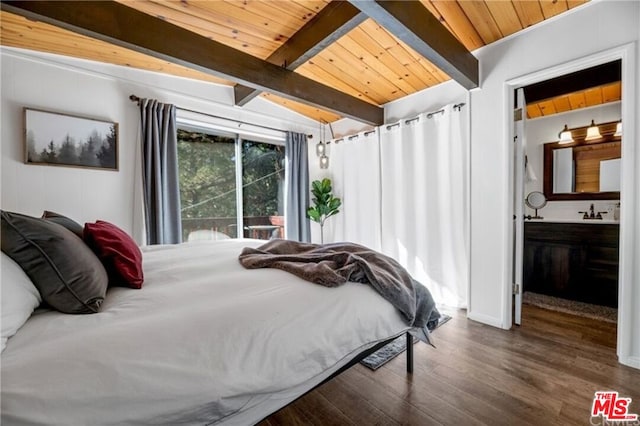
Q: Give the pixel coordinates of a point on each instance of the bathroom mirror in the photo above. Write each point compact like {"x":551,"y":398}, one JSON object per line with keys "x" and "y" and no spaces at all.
{"x":535,"y":200}
{"x":584,"y":170}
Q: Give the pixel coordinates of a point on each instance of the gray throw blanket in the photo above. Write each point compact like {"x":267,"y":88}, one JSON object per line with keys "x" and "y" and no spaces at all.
{"x":334,"y":264}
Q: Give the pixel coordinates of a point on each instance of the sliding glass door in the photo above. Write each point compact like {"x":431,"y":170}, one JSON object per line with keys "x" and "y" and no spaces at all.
{"x":263,"y":190}
{"x":225,"y":198}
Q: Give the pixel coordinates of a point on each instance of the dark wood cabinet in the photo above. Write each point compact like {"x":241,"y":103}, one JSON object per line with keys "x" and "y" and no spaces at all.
{"x":574,"y":261}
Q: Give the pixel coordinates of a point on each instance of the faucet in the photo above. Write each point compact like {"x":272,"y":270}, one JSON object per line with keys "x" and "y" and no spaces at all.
{"x":591,"y":214}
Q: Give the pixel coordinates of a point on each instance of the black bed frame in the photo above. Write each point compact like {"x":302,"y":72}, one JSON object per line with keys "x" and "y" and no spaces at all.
{"x":371,"y":350}
{"x":360,"y":357}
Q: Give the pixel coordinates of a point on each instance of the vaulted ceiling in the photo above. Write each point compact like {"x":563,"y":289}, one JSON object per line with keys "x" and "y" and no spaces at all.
{"x":324,"y":59}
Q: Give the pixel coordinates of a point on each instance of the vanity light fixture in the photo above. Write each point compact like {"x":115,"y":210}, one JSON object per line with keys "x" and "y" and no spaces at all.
{"x":593,"y":132}
{"x":565,"y":135}
{"x":618,"y":129}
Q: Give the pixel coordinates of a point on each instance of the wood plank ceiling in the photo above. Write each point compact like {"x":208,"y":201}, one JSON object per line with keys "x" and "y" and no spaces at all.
{"x":603,"y":94}
{"x":368,"y":62}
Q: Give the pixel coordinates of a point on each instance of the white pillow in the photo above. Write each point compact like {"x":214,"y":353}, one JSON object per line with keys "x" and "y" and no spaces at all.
{"x":19,"y":298}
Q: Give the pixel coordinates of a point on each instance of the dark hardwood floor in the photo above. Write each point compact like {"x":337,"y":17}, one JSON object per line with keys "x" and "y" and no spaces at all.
{"x":542,"y":373}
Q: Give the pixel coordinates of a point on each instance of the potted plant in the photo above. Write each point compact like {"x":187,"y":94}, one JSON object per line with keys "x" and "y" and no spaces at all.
{"x":325,"y":204}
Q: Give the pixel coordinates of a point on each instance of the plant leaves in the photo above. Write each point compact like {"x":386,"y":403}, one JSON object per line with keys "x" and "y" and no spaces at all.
{"x":325,"y":204}
{"x":313,"y":214}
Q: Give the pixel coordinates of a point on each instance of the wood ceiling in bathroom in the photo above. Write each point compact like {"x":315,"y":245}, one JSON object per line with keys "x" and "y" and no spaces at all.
{"x":596,"y":85}
{"x":594,"y":96}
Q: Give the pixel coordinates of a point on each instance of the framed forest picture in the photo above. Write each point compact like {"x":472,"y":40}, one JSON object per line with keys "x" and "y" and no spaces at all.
{"x":55,"y":139}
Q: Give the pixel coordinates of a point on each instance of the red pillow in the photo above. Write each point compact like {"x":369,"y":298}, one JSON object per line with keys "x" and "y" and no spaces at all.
{"x":117,"y":251}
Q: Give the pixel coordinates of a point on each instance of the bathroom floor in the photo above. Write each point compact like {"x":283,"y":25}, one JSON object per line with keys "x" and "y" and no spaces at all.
{"x":604,"y":313}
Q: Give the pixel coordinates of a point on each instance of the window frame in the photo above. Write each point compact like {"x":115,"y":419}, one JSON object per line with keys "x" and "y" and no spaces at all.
{"x":239,"y":137}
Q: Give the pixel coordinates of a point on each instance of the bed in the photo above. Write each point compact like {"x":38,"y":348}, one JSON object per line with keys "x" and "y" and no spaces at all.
{"x":205,"y":341}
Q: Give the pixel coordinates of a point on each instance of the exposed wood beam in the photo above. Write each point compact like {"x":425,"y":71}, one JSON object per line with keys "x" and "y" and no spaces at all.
{"x":332,"y":22}
{"x":127,"y":27}
{"x":412,"y":23}
{"x":574,"y":82}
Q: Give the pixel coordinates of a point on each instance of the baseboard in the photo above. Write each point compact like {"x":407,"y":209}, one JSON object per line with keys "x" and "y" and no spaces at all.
{"x":630,"y":361}
{"x":485,"y":319}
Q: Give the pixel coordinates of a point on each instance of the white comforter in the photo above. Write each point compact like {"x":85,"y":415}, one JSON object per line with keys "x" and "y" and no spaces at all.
{"x":204,"y":341}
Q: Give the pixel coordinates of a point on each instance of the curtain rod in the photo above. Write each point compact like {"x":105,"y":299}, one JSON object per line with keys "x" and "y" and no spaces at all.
{"x":456,"y":107}
{"x":136,"y":99}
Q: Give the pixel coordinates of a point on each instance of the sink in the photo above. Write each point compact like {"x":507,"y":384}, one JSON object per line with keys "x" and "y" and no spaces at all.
{"x":579,"y":220}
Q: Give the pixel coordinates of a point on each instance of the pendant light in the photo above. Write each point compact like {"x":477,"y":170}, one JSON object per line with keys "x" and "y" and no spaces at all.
{"x":321,"y":149}
{"x":324,"y":162}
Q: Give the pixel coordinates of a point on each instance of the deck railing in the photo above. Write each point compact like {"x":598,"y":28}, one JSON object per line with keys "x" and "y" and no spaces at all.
{"x":260,"y":227}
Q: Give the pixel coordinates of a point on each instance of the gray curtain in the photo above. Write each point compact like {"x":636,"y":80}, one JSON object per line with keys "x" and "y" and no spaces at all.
{"x":296,"y":222}
{"x":160,"y":172}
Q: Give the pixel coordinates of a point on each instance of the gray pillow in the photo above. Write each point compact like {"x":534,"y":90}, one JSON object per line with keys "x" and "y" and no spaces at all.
{"x":65,"y":271}
{"x":70,"y":224}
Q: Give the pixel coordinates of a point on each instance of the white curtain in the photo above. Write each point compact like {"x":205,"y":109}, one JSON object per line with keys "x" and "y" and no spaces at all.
{"x":425,"y":193}
{"x":405,"y":192}
{"x":354,"y":167}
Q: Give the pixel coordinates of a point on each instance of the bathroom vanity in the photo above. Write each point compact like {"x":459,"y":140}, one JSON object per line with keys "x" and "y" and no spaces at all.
{"x":575,"y":260}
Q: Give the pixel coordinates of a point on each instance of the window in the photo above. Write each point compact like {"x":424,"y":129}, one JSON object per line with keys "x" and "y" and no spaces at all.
{"x":225,"y":198}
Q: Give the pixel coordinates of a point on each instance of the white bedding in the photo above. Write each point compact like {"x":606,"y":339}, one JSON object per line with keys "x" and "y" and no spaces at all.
{"x":205,"y":341}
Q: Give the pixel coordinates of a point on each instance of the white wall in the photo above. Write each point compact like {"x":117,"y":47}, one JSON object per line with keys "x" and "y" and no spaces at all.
{"x":592,"y":28}
{"x":87,"y":88}
{"x":428,"y":100}
{"x":543,"y":130}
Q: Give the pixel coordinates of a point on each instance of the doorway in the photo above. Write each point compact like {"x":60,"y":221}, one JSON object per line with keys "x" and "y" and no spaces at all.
{"x":627,"y":195}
